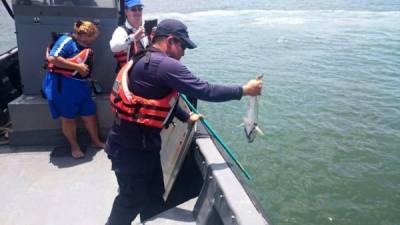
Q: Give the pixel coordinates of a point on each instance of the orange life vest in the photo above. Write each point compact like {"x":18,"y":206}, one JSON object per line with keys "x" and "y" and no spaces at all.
{"x":136,"y":109}
{"x":85,"y":56}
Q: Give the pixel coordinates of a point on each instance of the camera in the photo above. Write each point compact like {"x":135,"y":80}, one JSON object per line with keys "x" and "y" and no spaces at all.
{"x":148,"y":26}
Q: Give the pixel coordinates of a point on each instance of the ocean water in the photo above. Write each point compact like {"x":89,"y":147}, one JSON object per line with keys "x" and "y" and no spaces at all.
{"x":330,"y":108}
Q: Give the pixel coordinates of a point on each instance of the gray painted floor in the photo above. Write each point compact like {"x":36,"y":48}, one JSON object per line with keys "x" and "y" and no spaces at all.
{"x":36,"y":189}
{"x":180,"y":215}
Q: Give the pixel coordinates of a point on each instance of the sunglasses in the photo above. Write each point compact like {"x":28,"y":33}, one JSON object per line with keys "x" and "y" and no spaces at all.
{"x":136,"y":9}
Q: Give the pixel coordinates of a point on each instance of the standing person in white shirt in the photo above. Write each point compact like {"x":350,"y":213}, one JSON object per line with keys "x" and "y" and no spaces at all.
{"x":129,"y":39}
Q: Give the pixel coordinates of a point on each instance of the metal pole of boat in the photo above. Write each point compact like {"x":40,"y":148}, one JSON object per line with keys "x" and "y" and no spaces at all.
{"x":10,"y":12}
{"x":217,"y":137}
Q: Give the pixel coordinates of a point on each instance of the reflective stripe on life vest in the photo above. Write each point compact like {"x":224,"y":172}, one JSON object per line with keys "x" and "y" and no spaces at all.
{"x":133,"y":108}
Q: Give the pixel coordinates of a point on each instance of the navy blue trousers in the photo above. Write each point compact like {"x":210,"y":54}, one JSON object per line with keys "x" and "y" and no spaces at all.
{"x":140,"y":190}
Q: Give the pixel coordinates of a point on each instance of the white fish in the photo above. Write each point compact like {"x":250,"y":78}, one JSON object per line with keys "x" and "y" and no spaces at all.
{"x":251,"y":119}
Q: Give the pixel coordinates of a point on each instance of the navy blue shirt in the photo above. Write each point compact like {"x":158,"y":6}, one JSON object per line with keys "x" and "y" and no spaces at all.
{"x":155,"y":80}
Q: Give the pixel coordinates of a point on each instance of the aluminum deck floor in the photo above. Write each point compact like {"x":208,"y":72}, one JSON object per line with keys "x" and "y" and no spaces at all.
{"x":36,"y":189}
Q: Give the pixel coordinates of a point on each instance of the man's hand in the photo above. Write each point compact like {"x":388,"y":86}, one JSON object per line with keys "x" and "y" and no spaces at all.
{"x":253,"y":87}
{"x":194,"y":117}
{"x":139,"y":34}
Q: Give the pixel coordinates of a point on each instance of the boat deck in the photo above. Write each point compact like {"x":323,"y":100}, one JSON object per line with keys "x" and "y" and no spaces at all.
{"x":180,"y":215}
{"x":39,"y":189}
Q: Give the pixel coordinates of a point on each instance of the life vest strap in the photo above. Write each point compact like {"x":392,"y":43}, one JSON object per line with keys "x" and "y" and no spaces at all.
{"x":136,"y":116}
{"x":139,"y":105}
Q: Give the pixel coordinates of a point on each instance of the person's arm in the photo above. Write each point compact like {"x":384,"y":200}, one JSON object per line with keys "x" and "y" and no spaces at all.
{"x":119,"y":40}
{"x":180,"y":78}
{"x":58,"y":55}
{"x":61,"y":62}
{"x":185,"y":117}
{"x":181,"y":114}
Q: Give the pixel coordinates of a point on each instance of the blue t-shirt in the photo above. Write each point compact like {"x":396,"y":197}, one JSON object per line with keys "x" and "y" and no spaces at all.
{"x":65,"y":47}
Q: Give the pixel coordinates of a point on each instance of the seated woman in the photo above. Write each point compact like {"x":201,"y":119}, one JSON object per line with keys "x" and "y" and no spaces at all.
{"x":67,"y":87}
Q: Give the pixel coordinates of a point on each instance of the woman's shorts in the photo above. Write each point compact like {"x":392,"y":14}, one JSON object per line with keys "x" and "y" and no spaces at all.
{"x":71,"y":100}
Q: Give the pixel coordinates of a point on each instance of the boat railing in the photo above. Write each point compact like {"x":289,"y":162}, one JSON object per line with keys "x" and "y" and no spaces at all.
{"x":224,"y":198}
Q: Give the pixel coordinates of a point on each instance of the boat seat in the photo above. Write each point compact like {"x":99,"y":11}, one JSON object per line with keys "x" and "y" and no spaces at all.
{"x":41,"y":129}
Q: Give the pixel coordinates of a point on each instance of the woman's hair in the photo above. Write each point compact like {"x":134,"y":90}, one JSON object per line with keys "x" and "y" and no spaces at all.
{"x":85,"y":27}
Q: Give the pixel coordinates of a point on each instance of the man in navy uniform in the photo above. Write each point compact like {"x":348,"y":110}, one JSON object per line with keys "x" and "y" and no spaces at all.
{"x":133,"y":144}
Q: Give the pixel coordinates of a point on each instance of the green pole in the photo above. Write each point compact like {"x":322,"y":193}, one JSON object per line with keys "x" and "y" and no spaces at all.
{"x":217,"y":137}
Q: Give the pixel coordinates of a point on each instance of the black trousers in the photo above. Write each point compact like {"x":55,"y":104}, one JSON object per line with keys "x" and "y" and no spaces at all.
{"x":140,"y":191}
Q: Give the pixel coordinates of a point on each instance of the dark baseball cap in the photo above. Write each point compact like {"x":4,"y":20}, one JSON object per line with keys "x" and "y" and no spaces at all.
{"x":177,"y":29}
